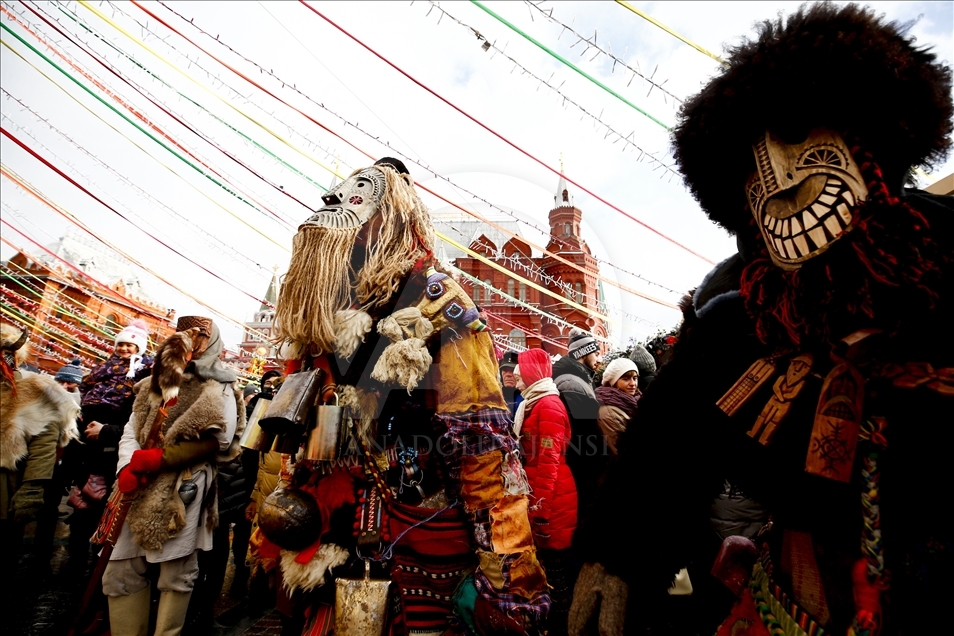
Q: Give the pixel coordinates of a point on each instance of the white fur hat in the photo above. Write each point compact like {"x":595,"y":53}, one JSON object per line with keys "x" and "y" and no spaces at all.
{"x":136,"y":333}
{"x":616,"y":369}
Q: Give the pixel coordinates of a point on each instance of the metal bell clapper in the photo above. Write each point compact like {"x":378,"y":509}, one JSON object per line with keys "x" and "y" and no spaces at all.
{"x":323,"y":438}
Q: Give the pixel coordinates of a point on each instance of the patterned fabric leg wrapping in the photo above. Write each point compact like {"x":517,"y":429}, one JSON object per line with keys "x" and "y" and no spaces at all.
{"x":482,"y":460}
{"x":429,"y":562}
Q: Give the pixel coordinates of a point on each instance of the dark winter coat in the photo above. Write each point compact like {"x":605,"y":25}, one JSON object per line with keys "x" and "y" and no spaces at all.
{"x":107,"y":399}
{"x":235,"y":485}
{"x":586,"y":449}
{"x":686,"y":447}
{"x":544,"y":436}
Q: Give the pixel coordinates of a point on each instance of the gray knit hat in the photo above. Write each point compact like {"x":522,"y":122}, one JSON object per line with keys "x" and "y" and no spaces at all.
{"x":581,"y":344}
{"x":644,"y":360}
{"x":72,"y":372}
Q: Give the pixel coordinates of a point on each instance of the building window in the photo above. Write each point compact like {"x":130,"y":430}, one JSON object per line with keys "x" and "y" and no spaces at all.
{"x":112,"y":324}
{"x":488,"y":295}
{"x":476,"y":293}
{"x":523,"y":292}
{"x":566,"y":229}
{"x":510,"y":288}
{"x":579,"y":292}
{"x":518,"y":338}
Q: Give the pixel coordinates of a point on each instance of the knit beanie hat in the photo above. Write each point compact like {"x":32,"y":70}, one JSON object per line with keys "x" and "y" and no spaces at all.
{"x":509,"y":360}
{"x":136,"y":333}
{"x":581,"y":344}
{"x":251,"y":389}
{"x":72,"y":372}
{"x":534,"y":365}
{"x":644,"y":360}
{"x":268,"y":375}
{"x":616,"y":369}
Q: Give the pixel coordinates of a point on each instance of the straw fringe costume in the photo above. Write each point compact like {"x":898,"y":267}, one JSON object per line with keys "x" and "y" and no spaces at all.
{"x":429,"y":434}
{"x":831,"y":333}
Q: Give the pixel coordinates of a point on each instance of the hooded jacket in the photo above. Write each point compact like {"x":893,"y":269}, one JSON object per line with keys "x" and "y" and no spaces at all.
{"x":586,"y":448}
{"x":545,"y":435}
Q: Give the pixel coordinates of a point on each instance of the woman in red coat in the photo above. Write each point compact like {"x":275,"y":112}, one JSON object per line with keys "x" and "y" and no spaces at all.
{"x":543,"y":426}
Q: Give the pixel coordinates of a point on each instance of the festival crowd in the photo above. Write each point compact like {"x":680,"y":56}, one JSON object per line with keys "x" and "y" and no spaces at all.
{"x":774,"y":468}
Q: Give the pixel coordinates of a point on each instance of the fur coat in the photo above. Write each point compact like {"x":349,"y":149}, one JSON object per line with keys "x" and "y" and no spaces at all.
{"x":37,"y":403}
{"x":158,"y":513}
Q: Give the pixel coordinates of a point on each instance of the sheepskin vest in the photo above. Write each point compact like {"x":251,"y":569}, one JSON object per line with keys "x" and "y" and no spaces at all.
{"x":37,"y":403}
{"x":158,"y":512}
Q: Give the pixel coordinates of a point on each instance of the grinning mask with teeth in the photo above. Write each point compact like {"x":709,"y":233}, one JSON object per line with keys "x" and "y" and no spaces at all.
{"x":353,"y":202}
{"x":803,"y":195}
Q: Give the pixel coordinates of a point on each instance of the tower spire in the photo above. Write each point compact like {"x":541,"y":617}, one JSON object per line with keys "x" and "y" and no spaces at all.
{"x":271,"y":294}
{"x":562,"y":198}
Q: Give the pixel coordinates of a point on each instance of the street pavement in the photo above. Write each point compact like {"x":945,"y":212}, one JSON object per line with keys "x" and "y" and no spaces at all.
{"x":42,"y":599}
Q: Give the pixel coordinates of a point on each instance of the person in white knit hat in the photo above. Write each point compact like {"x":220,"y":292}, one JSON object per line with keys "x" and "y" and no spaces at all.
{"x":133,"y":334}
{"x":618,"y":397}
{"x":107,"y":399}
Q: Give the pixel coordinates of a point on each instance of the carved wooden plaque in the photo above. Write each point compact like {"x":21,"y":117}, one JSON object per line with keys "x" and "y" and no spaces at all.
{"x":831,"y":452}
{"x":760,"y":371}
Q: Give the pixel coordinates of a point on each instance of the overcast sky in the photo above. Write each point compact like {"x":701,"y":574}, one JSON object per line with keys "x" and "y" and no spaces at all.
{"x":241,"y":240}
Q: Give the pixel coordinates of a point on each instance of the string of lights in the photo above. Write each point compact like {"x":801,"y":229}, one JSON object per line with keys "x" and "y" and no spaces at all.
{"x":226,"y":250}
{"x":234,"y":94}
{"x":628,"y":140}
{"x":545,"y":291}
{"x":420,"y":164}
{"x":507,"y":141}
{"x":591,"y":43}
{"x":568,"y":63}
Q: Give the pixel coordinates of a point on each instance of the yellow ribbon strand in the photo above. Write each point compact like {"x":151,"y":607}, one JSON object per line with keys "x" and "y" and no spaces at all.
{"x":171,"y":65}
{"x":543,"y":290}
{"x":652,"y":20}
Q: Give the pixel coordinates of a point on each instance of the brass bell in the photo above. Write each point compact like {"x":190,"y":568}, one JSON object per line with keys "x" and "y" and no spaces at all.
{"x":254,"y":438}
{"x":323,"y":439}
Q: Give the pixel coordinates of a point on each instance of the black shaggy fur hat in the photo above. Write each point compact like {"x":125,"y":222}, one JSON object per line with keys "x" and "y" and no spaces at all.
{"x":842,"y":68}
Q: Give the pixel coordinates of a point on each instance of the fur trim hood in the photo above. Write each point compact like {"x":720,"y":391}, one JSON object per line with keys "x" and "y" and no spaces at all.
{"x":841,"y":68}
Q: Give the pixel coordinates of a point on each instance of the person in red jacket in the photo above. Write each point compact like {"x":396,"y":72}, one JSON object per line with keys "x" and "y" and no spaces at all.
{"x":543,"y":426}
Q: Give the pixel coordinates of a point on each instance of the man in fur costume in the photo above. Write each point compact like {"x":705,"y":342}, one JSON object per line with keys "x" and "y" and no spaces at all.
{"x":426,"y":479}
{"x":194,"y":400}
{"x":831,"y":332}
{"x":37,"y":419}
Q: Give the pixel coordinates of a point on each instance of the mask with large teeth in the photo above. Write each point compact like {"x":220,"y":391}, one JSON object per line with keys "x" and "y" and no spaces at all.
{"x":803,"y":195}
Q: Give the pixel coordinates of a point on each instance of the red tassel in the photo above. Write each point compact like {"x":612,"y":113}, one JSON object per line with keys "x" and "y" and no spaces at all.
{"x":867,"y":599}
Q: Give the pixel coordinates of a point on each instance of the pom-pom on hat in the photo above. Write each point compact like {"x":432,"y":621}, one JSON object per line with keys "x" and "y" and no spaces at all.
{"x":616,"y":369}
{"x":72,"y":372}
{"x":581,"y":344}
{"x":137,"y":333}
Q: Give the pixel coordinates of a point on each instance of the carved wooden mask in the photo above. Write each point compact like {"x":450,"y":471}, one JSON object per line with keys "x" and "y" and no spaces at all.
{"x":803,"y":195}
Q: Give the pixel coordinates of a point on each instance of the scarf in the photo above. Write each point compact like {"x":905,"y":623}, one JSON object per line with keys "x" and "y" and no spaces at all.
{"x":531,"y":395}
{"x":135,"y":364}
{"x":611,"y":396}
{"x":208,"y":366}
